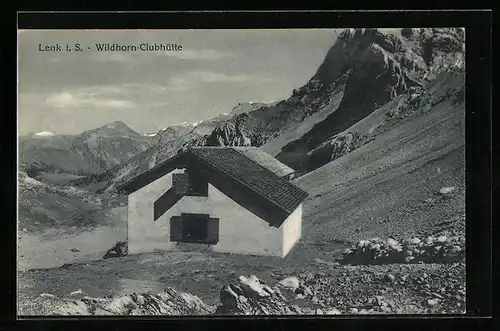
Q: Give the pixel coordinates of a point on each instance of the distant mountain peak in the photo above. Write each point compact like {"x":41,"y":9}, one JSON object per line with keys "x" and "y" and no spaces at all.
{"x":116,"y":125}
{"x":113,"y":128}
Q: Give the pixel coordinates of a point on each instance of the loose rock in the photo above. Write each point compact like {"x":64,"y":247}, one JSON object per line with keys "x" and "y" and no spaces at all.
{"x":290,"y":283}
{"x":333,"y":311}
{"x":432,"y":302}
{"x":446,"y":190}
{"x":389,"y":278}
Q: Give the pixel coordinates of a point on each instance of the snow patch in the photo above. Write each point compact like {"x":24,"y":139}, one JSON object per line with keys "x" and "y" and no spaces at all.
{"x":45,"y":134}
{"x":263,"y":102}
{"x":32,"y":181}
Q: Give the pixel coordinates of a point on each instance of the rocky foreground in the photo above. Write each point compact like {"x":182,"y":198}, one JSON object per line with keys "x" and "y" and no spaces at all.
{"x":342,"y":289}
{"x":404,"y":289}
{"x":423,"y":274}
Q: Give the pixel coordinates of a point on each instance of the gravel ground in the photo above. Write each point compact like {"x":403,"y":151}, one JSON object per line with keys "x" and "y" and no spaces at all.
{"x":360,"y":289}
{"x":396,"y":288}
{"x":387,"y":188}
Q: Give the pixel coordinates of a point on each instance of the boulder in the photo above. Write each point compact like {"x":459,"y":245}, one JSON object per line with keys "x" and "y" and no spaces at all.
{"x":229,"y":295}
{"x":441,"y":239}
{"x":389,"y":278}
{"x":252,"y":297}
{"x":253,"y":287}
{"x":409,"y":259}
{"x":307,"y":291}
{"x":118,"y":250}
{"x":394,"y":245}
{"x":291,"y":283}
{"x":333,"y":311}
{"x":47,"y":295}
{"x":446,"y":190}
{"x":363,"y":243}
{"x":168,"y":302}
{"x":413,"y":241}
{"x":432,"y":302}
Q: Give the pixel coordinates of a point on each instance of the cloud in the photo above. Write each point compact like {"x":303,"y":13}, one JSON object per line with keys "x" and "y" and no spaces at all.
{"x":113,"y":103}
{"x":67,"y":99}
{"x":65,"y":92}
{"x":201,"y":54}
{"x":213,"y":77}
{"x":61,"y":99}
{"x":187,"y":80}
{"x":113,"y":57}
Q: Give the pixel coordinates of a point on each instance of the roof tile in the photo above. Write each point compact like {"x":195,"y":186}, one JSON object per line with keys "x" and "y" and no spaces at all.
{"x":253,"y":175}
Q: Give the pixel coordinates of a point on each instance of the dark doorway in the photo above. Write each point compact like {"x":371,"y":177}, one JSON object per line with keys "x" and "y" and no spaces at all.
{"x":195,"y":228}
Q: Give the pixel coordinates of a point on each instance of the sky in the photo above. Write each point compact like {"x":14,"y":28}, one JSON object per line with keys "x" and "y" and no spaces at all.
{"x":69,"y":92}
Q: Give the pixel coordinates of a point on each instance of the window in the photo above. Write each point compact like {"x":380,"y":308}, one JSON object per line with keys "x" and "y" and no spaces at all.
{"x":194,"y":228}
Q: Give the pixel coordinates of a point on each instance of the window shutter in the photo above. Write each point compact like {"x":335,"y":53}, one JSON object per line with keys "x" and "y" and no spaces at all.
{"x":180,"y":183}
{"x":175,"y":228}
{"x":213,"y":231}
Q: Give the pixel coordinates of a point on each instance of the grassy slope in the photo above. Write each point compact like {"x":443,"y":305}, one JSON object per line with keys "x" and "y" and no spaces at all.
{"x":44,"y":206}
{"x":381,"y":188}
{"x":53,"y":220}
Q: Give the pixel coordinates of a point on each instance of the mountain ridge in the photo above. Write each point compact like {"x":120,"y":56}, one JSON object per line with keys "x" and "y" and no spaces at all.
{"x":89,"y":152}
{"x":378,"y":65}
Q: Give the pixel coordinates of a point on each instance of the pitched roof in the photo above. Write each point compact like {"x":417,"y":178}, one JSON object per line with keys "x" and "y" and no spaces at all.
{"x":253,"y":175}
{"x":248,"y":167}
{"x":267,"y":161}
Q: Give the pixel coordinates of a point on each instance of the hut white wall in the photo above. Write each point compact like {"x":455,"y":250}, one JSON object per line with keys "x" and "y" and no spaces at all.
{"x":145,"y":234}
{"x":240,"y":231}
{"x":291,"y":230}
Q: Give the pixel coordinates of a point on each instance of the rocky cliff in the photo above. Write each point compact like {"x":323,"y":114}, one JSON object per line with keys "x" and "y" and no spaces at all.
{"x":382,"y":66}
